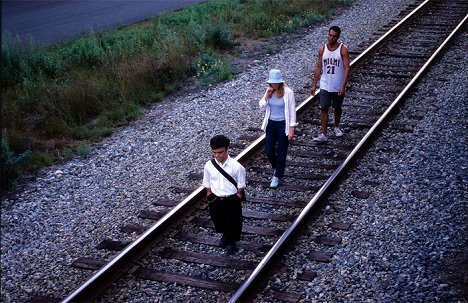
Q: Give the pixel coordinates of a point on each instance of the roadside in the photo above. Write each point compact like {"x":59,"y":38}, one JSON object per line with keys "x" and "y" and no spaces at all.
{"x":51,"y":22}
{"x":61,"y":101}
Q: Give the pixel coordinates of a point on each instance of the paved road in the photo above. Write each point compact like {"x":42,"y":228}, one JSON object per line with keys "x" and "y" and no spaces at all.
{"x":52,"y":21}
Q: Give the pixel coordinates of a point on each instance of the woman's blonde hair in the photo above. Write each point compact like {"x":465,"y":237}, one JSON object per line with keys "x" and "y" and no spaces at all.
{"x":280,"y":91}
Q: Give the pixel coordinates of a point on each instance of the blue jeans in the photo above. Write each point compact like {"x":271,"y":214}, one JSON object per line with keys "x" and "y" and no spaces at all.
{"x":276,"y":146}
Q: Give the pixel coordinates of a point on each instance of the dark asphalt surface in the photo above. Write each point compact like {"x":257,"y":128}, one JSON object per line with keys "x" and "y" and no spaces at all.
{"x":51,"y":21}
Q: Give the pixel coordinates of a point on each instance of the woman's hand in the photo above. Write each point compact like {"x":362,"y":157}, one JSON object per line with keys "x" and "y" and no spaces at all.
{"x":291,"y":133}
{"x":270,"y":91}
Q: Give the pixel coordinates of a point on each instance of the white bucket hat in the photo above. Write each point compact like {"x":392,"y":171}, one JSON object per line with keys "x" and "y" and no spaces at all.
{"x":275,"y":76}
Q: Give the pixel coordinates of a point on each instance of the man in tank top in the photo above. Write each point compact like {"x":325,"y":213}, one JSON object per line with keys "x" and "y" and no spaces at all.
{"x":333,"y":70}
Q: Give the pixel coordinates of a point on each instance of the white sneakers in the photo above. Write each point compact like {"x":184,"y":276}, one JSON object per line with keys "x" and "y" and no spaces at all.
{"x":274,"y":182}
{"x":320,"y":138}
{"x":338,"y":132}
{"x":323,"y":138}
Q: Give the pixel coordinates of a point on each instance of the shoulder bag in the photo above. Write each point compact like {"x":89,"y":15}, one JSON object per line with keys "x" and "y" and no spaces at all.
{"x":228,"y":176}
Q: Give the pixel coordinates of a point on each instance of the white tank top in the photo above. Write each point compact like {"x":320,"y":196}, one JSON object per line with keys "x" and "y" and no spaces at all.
{"x":332,"y":69}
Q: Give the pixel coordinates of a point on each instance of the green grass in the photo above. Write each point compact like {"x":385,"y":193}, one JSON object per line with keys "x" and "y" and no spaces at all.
{"x":53,"y":98}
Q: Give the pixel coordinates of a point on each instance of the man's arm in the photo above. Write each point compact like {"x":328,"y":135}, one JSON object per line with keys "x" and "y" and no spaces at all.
{"x":346,"y":66}
{"x":240,"y":180}
{"x":317,"y":71}
{"x":206,"y":179}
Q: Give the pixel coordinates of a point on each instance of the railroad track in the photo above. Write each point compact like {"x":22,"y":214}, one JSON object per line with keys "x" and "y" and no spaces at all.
{"x":180,"y":246}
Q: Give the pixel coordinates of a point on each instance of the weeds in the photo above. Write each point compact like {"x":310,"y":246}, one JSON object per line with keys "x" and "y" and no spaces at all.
{"x":219,"y":36}
{"x":11,"y":163}
{"x":83,"y":149}
{"x":82,"y":89}
{"x":212,"y":70}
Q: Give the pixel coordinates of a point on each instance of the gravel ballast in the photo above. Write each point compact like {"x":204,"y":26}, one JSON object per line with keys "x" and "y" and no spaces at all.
{"x":408,"y":237}
{"x":68,"y":209}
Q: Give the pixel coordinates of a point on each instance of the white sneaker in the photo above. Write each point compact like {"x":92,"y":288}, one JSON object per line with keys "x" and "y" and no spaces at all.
{"x":274,"y":182}
{"x":338,"y":132}
{"x":320,"y":138}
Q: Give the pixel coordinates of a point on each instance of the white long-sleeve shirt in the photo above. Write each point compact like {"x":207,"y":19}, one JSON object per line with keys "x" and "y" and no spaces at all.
{"x":289,"y":109}
{"x":218,"y":184}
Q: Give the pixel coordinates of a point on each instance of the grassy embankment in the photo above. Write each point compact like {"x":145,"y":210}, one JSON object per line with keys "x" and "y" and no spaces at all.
{"x":58,"y":100}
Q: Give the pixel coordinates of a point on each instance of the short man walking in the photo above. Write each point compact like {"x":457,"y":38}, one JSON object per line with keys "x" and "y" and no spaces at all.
{"x":224,"y":180}
{"x":333,"y":69}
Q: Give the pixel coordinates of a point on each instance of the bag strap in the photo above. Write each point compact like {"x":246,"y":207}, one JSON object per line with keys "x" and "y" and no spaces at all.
{"x":224,"y":173}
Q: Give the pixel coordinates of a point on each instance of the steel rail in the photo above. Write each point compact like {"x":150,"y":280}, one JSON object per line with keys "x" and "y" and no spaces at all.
{"x":390,"y":32}
{"x":301,"y":108}
{"x":260,"y":270}
{"x":116,"y":267}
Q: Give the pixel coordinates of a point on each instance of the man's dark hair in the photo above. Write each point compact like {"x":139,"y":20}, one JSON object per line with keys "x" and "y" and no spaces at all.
{"x":336,"y":29}
{"x":219,"y":141}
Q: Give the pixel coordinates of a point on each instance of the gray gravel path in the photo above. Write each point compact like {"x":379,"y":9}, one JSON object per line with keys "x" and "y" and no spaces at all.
{"x":408,"y":240}
{"x":70,"y":208}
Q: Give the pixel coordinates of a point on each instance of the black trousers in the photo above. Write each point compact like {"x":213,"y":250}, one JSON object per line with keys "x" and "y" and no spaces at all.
{"x":226,"y":214}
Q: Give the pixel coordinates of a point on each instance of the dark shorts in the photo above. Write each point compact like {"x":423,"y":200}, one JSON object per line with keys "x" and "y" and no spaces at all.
{"x":328,"y":99}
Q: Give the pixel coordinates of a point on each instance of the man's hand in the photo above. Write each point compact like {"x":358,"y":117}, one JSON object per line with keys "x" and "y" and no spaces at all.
{"x":313,"y":89}
{"x":341,"y":91}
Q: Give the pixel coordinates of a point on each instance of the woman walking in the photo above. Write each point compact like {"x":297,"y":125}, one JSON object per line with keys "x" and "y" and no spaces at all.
{"x":279,"y":122}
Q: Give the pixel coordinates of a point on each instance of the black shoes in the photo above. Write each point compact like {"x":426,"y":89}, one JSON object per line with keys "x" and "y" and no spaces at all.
{"x":231,"y":248}
{"x":222,"y":242}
